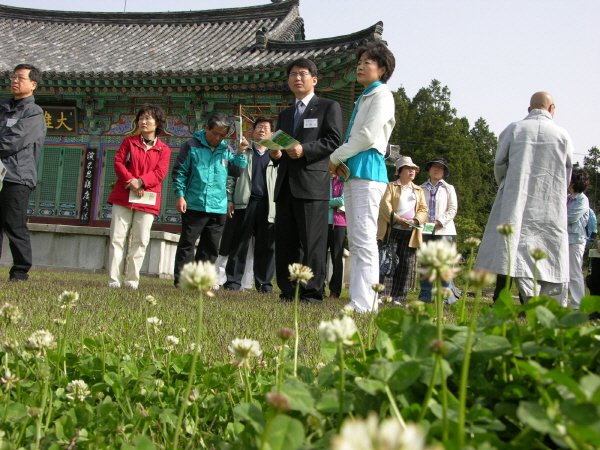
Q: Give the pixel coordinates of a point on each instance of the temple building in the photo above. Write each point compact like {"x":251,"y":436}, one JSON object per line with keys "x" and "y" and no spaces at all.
{"x":99,"y":68}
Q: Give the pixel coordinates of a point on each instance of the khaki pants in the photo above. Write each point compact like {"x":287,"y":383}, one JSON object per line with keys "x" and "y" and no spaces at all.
{"x":140,"y":223}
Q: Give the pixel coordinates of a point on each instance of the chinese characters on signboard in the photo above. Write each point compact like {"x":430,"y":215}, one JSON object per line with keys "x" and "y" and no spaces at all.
{"x":61,"y":119}
{"x":89,"y":169}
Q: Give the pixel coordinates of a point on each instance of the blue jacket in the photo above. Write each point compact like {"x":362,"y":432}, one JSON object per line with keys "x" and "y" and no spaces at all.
{"x":200,"y":174}
{"x":578,"y":213}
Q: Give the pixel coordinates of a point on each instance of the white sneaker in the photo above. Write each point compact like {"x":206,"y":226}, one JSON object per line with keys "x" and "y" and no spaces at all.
{"x":114,"y":284}
{"x":131,"y":284}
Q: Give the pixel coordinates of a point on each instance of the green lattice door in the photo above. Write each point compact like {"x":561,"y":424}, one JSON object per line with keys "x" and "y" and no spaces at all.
{"x":59,"y":183}
{"x":168,"y":213}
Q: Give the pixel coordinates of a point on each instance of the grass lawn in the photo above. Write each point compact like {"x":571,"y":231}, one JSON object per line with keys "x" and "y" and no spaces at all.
{"x":122,"y":314}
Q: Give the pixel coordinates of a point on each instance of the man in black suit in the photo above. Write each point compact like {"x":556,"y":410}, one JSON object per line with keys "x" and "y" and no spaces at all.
{"x":302,"y":187}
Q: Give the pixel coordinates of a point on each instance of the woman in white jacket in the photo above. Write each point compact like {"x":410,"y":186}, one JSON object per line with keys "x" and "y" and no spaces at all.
{"x":363,"y":153}
{"x":442,"y":205}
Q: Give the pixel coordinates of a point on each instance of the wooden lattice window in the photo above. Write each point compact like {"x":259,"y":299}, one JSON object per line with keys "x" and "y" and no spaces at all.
{"x":59,"y":182}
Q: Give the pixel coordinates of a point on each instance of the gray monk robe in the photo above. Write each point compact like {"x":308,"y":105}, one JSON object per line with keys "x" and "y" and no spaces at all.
{"x":533,"y":170}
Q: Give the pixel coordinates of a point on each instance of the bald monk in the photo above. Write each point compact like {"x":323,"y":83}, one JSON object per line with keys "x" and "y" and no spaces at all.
{"x":533,"y":170}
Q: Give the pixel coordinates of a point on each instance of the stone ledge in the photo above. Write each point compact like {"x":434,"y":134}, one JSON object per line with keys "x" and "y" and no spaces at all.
{"x":93,"y":231}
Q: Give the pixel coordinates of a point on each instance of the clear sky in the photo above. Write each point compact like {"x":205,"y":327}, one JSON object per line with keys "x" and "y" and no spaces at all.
{"x":492,"y":54}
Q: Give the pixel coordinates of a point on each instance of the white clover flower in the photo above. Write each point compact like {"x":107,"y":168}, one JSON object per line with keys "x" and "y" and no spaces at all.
{"x":348,"y":311}
{"x":198,"y":276}
{"x":172,"y":340}
{"x":378,"y":287}
{"x":151,"y":300}
{"x":78,"y":390}
{"x":438,"y":257}
{"x":481,"y":278}
{"x":338,"y":330}
{"x":10,"y":313}
{"x":40,"y":340}
{"x":446,"y":292}
{"x":245,"y":348}
{"x":182,"y":330}
{"x":321,"y":365}
{"x":299,"y":272}
{"x":59,"y":322}
{"x":279,"y":402}
{"x":193,"y":396}
{"x":67,"y":299}
{"x":159,"y":383}
{"x":368,"y":434}
{"x":9,"y":346}
{"x":416,"y":307}
{"x":155,"y":321}
{"x":538,"y":254}
{"x":472,"y":242}
{"x":9,"y":380}
{"x":505,"y":229}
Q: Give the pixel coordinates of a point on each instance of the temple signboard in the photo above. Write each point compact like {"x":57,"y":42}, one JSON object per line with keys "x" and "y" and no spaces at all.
{"x":61,"y":120}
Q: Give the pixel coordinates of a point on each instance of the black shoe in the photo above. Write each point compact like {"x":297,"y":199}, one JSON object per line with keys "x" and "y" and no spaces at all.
{"x":314,"y":301}
{"x":17,"y":280}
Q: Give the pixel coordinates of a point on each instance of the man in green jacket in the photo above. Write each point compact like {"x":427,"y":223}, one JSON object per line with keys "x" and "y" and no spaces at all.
{"x":199,"y":180}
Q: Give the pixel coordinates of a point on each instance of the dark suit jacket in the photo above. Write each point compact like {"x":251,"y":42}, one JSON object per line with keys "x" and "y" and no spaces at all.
{"x":308,"y":176}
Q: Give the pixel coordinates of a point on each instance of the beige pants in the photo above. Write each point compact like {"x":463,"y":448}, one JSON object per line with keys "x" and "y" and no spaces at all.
{"x":124,"y":219}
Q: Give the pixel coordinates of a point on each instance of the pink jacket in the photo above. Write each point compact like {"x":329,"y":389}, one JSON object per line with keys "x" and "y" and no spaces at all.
{"x":336,"y":201}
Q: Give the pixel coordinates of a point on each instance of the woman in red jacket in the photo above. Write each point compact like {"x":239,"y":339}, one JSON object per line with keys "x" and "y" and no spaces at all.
{"x":141,"y":164}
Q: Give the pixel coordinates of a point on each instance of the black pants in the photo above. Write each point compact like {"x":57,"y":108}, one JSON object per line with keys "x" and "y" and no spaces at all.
{"x":300,"y":237}
{"x":209,"y":227}
{"x":593,"y":279}
{"x":336,"y":236}
{"x":254,"y":221}
{"x":13,"y":221}
{"x":501,"y":284}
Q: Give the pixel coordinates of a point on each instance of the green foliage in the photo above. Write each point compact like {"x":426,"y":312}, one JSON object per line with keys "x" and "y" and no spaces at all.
{"x":533,"y":382}
{"x":427,"y":126}
{"x":592,"y":164}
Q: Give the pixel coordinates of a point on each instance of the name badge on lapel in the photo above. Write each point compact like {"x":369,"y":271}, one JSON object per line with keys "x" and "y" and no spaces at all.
{"x":11,"y":122}
{"x":311,"y":123}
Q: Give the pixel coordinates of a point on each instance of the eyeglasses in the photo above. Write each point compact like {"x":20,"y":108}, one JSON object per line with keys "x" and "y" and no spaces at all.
{"x":18,"y":78}
{"x":302,"y":74}
{"x":262,"y":127}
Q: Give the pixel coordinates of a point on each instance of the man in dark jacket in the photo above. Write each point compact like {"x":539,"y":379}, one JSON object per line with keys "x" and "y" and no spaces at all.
{"x":22,"y":135}
{"x":302,"y":187}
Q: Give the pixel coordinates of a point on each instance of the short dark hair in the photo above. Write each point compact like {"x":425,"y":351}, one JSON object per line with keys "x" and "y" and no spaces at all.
{"x":305,"y":64}
{"x":260,"y":119}
{"x":580,"y":179}
{"x":157,"y":113}
{"x":220,"y":119}
{"x":380,"y":53}
{"x":35,"y":74}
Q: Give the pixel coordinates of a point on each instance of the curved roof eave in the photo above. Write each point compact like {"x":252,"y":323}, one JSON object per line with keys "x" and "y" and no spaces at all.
{"x":273,"y":10}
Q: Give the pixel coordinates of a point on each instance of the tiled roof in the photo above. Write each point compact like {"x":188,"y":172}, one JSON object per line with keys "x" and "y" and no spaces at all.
{"x":66,"y":44}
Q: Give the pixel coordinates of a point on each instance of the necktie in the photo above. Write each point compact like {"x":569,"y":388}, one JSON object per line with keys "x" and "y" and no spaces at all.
{"x":298,"y":116}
